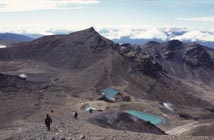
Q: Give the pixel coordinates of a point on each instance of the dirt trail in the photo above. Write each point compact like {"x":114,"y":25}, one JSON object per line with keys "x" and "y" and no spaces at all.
{"x":185,"y":128}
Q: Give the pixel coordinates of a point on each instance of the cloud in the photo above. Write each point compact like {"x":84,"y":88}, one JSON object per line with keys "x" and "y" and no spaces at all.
{"x":33,"y":5}
{"x":149,"y":33}
{"x":196,"y":35}
{"x":119,"y":31}
{"x":143,"y":32}
{"x":198,"y":19}
{"x":160,"y":33}
{"x":3,"y":46}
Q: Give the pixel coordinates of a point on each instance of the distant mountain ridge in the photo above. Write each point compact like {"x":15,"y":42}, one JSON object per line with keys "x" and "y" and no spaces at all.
{"x":123,"y":39}
{"x":128,"y":39}
{"x":15,"y":37}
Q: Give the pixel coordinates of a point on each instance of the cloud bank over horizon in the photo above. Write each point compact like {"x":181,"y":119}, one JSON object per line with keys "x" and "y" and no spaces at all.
{"x":118,"y":32}
{"x":160,"y":33}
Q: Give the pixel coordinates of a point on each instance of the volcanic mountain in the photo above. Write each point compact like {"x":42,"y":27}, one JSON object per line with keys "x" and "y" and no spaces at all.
{"x":79,"y":65}
{"x":183,"y":60}
{"x":192,"y":63}
{"x":108,"y":64}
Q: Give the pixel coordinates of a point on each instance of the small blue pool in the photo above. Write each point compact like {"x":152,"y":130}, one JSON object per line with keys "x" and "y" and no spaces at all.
{"x":146,"y":117}
{"x":110,"y":92}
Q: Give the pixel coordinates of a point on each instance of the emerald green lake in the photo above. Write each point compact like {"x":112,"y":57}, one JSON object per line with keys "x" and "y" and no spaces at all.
{"x":154,"y":119}
{"x":110,"y":92}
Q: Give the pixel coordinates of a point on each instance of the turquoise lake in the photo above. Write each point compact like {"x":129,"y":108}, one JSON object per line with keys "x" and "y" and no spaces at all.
{"x":110,"y":92}
{"x":146,"y":117}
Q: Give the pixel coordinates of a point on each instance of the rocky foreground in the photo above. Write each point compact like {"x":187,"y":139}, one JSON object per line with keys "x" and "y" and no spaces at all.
{"x":68,"y":128}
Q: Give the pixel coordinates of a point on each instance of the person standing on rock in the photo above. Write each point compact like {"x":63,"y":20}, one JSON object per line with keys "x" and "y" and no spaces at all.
{"x":75,"y":115}
{"x":48,"y":122}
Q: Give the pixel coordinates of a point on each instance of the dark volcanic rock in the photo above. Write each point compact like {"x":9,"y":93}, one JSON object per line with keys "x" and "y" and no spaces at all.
{"x":196,"y":55}
{"x":9,"y":79}
{"x":183,"y":60}
{"x":124,"y":121}
{"x":142,"y":62}
{"x":13,"y":83}
{"x":173,"y":45}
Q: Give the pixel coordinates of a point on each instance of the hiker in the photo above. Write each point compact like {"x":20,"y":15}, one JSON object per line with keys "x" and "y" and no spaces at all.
{"x":75,"y":115}
{"x":48,"y":122}
{"x":90,"y":110}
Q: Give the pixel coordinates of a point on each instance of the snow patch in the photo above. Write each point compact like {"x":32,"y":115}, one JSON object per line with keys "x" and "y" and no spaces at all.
{"x":90,"y":108}
{"x":23,"y":75}
{"x":168,"y":106}
{"x":3,"y":46}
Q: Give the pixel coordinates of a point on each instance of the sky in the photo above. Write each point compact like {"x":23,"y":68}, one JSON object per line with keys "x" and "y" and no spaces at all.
{"x":121,"y":16}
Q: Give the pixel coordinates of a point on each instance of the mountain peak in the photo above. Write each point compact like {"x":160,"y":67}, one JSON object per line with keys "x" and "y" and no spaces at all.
{"x":89,"y":30}
{"x":85,"y":32}
{"x":174,"y":42}
{"x":152,"y":43}
{"x":173,"y":45}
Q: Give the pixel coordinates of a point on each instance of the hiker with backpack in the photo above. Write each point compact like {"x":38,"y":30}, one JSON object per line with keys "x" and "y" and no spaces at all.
{"x":48,"y":122}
